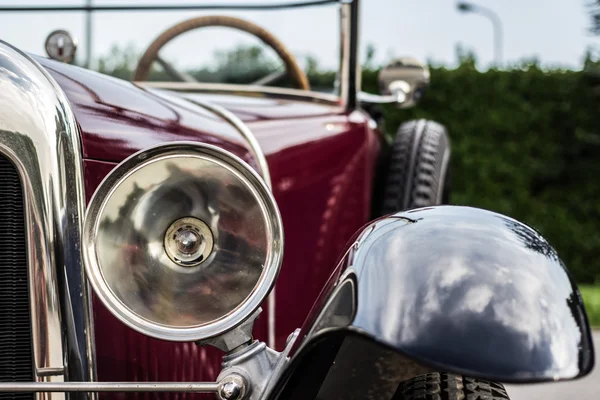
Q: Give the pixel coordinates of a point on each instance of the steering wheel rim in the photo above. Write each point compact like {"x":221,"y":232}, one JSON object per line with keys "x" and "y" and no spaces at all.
{"x":295,"y":72}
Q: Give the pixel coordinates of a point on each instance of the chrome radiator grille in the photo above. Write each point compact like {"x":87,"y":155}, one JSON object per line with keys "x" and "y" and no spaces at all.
{"x":16,"y":356}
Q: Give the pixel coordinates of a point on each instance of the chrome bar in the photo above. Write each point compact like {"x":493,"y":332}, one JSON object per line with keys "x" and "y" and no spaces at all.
{"x":350,"y":72}
{"x":243,"y":129}
{"x":41,"y":137}
{"x":368,"y":98}
{"x":350,"y":34}
{"x":243,"y":90}
{"x":171,"y":7}
{"x":35,"y":387}
{"x":344,"y":73}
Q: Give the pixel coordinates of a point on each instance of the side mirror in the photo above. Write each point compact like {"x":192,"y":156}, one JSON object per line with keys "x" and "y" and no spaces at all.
{"x":406,"y":74}
{"x":401,"y":82}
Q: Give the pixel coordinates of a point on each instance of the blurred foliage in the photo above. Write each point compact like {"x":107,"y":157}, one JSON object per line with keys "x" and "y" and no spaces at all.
{"x":525,"y":141}
{"x":591,"y":298}
{"x":121,"y":61}
{"x":595,"y":13}
{"x":242,"y":64}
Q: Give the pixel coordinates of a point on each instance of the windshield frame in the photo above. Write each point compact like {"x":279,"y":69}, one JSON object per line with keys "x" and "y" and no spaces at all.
{"x":348,"y":82}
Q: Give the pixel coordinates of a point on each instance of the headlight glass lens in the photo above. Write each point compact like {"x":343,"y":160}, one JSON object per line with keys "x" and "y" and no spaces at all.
{"x":183,"y":241}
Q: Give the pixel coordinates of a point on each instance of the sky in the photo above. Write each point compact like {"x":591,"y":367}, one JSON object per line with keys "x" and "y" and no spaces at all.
{"x":554,"y":31}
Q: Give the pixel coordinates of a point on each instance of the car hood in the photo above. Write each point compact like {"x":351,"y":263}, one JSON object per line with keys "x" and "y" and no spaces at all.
{"x":117,"y":118}
{"x":258,"y":108}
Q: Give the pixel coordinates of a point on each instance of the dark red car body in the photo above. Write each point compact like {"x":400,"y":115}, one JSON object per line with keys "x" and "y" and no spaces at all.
{"x":428,"y":298}
{"x":322,"y":162}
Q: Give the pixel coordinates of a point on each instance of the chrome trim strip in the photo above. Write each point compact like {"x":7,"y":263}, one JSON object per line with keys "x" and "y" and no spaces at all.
{"x":244,"y":90}
{"x":50,"y":371}
{"x":243,"y":129}
{"x":40,"y":135}
{"x":368,"y":98}
{"x":189,"y":387}
{"x":173,"y":7}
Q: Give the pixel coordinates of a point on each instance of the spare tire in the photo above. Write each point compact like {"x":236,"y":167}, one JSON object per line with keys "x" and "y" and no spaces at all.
{"x":418,"y":170}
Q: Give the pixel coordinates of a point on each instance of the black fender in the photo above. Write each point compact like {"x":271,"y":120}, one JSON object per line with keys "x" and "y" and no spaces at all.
{"x":455,"y":289}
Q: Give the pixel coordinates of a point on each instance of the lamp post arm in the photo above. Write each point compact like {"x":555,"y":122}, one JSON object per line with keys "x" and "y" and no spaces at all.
{"x":498,"y":31}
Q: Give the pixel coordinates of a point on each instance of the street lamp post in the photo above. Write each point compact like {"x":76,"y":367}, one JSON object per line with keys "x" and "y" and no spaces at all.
{"x":465,"y":7}
{"x":88,"y":35}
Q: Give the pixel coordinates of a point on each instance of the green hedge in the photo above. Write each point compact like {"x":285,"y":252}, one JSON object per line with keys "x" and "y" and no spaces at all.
{"x":591,"y":298}
{"x":525,"y":143}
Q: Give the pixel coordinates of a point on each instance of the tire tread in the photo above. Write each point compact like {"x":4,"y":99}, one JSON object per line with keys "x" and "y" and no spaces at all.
{"x":444,"y":386}
{"x":416,"y":169}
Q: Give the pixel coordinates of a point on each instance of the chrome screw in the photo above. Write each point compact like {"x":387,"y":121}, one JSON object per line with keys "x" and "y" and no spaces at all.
{"x":232,"y":387}
{"x":188,"y":242}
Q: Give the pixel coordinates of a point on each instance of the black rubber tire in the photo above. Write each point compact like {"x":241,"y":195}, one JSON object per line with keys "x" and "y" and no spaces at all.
{"x":437,"y":386}
{"x":418,"y":171}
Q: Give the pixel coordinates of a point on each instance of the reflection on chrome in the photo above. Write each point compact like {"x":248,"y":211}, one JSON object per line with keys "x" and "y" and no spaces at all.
{"x":40,"y":136}
{"x":455,"y":280}
{"x":219,"y":205}
{"x":188,"y":242}
{"x":131,"y":252}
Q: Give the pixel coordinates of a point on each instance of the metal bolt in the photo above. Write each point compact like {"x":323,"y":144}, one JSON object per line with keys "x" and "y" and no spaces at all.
{"x":232,"y":387}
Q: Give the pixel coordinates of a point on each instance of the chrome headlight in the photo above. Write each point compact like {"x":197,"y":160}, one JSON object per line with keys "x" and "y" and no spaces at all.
{"x":182,"y":241}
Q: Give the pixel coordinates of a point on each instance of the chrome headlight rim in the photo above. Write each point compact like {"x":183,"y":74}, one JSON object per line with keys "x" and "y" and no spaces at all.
{"x":221,"y":325}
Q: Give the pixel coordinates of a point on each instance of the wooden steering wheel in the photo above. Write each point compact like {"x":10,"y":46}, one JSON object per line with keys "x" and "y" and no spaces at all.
{"x":294,"y":71}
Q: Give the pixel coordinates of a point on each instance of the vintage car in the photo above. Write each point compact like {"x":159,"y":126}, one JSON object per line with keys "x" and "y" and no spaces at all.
{"x":143,"y":227}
